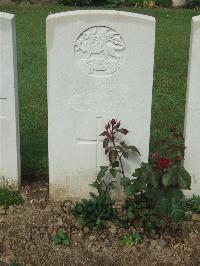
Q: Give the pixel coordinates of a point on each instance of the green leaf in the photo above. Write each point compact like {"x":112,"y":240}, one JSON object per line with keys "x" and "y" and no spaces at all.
{"x":174,"y":193}
{"x":108,"y":149}
{"x":102,"y":172}
{"x":105,"y":133}
{"x":56,"y":240}
{"x":184,"y":179}
{"x":105,"y":142}
{"x":66,"y":242}
{"x":113,"y":156}
{"x":115,"y":164}
{"x":125,"y":154}
{"x":135,"y":149}
{"x":153,"y":180}
{"x":128,"y":186}
{"x":176,"y":211}
{"x":123,"y":131}
{"x":61,"y":233}
{"x":129,"y":190}
{"x":123,"y":144}
{"x":140,"y":183}
{"x":161,"y":206}
{"x":167,"y":179}
{"x":113,"y":172}
{"x":125,"y":181}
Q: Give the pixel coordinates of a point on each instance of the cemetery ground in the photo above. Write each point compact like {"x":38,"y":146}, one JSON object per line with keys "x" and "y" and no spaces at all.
{"x":25,"y":232}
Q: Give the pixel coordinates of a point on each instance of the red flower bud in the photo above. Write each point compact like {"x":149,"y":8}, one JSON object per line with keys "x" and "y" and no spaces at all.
{"x":178,"y":158}
{"x":164,"y":163}
{"x":113,"y":122}
{"x":155,"y":156}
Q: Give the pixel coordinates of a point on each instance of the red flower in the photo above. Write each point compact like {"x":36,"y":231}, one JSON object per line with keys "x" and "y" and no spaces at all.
{"x":164,"y":163}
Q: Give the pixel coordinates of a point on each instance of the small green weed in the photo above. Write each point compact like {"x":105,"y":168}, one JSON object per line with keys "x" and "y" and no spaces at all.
{"x":132,"y":239}
{"x":61,"y":238}
{"x":13,"y":263}
{"x":193,"y":204}
{"x":9,"y":197}
{"x":94,"y":212}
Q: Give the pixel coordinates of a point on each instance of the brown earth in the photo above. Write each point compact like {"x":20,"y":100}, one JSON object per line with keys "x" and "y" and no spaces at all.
{"x":25,"y":237}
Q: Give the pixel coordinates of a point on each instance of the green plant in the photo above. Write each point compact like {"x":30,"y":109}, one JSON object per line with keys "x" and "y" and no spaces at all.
{"x":13,"y":263}
{"x":116,"y":149}
{"x":9,"y":197}
{"x":159,"y":184}
{"x":96,"y":211}
{"x":61,"y":238}
{"x":192,"y":3}
{"x":137,"y":210}
{"x":132,"y":239}
{"x":163,"y":3}
{"x":192,"y":204}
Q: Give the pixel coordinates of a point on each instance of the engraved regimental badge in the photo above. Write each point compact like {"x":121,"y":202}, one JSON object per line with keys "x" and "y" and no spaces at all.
{"x":100,"y":51}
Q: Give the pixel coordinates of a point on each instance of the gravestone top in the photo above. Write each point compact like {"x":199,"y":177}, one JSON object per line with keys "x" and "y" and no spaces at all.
{"x":6,"y":15}
{"x":102,"y":12}
{"x":99,"y":67}
{"x":196,"y":19}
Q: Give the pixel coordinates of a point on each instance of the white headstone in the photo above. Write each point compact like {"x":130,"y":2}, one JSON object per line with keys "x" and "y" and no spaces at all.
{"x":9,"y":119}
{"x":192,"y":121}
{"x":100,"y":66}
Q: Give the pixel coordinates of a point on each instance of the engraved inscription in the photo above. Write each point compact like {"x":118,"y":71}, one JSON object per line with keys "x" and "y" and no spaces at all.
{"x":100,"y":51}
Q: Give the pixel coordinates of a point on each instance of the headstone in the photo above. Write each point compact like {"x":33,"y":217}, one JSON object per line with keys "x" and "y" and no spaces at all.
{"x":100,"y":66}
{"x":9,"y":117}
{"x":192,"y":121}
{"x":178,"y":3}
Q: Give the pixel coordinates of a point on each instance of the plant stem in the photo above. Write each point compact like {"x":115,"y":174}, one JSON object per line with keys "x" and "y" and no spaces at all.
{"x":119,"y":157}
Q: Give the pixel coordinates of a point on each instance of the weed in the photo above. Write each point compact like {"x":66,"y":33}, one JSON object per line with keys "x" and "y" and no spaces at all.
{"x":132,"y":239}
{"x":9,"y":197}
{"x":61,"y":238}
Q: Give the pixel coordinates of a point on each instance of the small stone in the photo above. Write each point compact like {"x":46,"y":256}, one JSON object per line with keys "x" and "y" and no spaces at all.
{"x":2,"y":210}
{"x":92,"y":238}
{"x":108,"y":243}
{"x":193,"y":235}
{"x":196,"y":217}
{"x":113,"y":229}
{"x":154,"y":243}
{"x":11,"y":210}
{"x":162,"y":242}
{"x":42,"y":200}
{"x":86,"y":230}
{"x":95,"y":248}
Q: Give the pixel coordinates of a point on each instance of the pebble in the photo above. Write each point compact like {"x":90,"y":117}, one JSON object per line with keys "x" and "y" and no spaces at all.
{"x":92,"y":238}
{"x":162,"y":242}
{"x":113,"y":229}
{"x":196,"y":217}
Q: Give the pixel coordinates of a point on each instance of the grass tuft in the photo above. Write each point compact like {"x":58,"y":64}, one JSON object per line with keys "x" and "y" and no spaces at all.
{"x":9,"y":198}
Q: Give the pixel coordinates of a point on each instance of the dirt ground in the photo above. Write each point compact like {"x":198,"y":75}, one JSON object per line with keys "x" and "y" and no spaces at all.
{"x":25,"y":237}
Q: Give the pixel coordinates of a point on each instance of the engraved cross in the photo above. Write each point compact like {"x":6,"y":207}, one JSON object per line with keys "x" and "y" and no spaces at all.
{"x":95,"y":141}
{"x":2,"y":100}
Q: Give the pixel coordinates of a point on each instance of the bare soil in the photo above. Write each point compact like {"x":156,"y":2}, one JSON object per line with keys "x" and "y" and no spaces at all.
{"x":25,"y":237}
